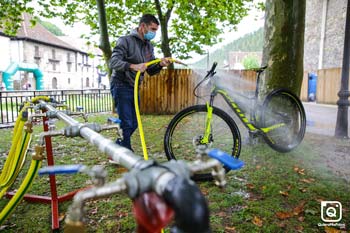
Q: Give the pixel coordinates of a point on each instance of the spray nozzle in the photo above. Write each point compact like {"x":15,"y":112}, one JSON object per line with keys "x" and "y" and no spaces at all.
{"x":178,"y":62}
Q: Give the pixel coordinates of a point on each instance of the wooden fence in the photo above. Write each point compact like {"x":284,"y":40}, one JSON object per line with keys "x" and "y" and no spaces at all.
{"x":328,"y":85}
{"x":172,"y":90}
{"x":168,"y":92}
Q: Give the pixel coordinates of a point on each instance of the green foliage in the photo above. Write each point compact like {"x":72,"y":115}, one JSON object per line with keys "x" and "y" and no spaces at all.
{"x":250,"y":62}
{"x":10,"y":15}
{"x":188,"y":24}
{"x":251,"y":42}
{"x":51,"y":28}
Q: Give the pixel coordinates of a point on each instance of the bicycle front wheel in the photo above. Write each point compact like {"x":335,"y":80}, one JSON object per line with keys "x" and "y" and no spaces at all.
{"x":284,"y":121}
{"x":186,"y":129}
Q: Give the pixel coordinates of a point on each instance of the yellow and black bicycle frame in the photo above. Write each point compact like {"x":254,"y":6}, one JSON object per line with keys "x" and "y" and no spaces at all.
{"x":235,"y":107}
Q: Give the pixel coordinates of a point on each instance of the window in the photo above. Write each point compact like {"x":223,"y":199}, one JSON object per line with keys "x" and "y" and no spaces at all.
{"x":54,"y":83}
{"x":69,"y":67}
{"x":53,"y":53}
{"x":87,"y":82}
{"x":37,"y":61}
{"x":37,"y":55}
{"x":69,"y":62}
{"x":68,"y":80}
{"x":36,"y":51}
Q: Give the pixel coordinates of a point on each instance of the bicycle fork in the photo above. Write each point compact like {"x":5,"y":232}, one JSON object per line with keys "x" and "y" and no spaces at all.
{"x":205,"y":139}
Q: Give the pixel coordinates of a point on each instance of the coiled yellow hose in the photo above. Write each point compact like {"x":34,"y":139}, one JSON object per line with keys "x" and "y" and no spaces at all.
{"x":17,"y":153}
{"x":25,"y":186}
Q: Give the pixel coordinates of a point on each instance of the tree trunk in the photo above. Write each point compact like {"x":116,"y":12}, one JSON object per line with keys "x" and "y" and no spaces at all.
{"x":104,"y":45}
{"x":164,"y":19}
{"x":165,"y":40}
{"x":283,"y":45}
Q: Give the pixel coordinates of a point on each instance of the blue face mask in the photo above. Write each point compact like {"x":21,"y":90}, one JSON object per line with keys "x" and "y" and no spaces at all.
{"x":149,"y":35}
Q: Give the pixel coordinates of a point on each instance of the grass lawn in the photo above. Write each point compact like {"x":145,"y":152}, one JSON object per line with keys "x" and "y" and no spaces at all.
{"x":274,"y":192}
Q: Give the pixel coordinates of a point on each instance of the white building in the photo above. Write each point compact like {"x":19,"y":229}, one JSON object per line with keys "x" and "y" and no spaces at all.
{"x":63,"y":65}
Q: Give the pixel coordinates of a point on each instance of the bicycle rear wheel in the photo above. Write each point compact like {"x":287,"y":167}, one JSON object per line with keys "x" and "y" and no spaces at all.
{"x":284,"y":118}
{"x":187,"y":128}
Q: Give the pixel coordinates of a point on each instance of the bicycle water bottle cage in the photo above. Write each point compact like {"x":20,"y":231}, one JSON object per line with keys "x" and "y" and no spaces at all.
{"x":226,"y":159}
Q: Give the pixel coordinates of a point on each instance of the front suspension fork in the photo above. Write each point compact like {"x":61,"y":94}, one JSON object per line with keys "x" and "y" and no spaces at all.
{"x":206,"y":136}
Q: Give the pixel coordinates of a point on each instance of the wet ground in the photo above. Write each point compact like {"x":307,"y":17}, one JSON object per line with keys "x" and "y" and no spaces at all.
{"x":334,"y":154}
{"x":321,"y":119}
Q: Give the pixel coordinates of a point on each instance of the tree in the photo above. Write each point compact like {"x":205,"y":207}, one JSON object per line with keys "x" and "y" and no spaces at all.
{"x":185,"y":25}
{"x":51,"y":28}
{"x":11,"y":15}
{"x":250,"y":62}
{"x":283,"y":50}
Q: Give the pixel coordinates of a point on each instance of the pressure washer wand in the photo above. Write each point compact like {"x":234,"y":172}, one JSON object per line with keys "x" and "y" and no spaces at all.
{"x":178,"y":62}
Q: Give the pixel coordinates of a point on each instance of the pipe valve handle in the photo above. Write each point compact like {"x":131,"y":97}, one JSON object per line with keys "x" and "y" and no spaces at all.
{"x":114,"y":120}
{"x":61,"y":169}
{"x":226,"y":159}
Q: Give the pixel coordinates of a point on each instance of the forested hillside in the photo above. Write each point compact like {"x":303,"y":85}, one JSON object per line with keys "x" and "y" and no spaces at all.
{"x":252,"y":42}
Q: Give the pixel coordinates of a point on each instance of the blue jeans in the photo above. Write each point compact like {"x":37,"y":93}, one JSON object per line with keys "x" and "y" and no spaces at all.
{"x":114,"y":96}
{"x":124,"y":96}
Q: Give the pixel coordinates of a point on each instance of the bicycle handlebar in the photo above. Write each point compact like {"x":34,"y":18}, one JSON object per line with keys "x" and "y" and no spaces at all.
{"x":211,"y":71}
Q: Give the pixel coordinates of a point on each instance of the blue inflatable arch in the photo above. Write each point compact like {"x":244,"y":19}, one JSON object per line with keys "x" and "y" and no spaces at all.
{"x":7,"y":75}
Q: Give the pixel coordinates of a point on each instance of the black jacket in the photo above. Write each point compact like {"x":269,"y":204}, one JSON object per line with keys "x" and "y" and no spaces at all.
{"x":131,"y":49}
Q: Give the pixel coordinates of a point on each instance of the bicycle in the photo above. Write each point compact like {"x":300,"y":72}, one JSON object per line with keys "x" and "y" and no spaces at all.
{"x":279,"y":119}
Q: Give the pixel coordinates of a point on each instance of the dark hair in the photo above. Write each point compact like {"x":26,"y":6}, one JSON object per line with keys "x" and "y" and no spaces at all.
{"x":148,"y":19}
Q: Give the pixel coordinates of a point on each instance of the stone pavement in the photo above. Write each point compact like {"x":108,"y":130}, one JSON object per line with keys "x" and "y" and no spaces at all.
{"x":321,"y":118}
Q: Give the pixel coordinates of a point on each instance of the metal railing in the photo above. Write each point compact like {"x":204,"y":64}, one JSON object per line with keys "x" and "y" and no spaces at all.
{"x":86,"y":100}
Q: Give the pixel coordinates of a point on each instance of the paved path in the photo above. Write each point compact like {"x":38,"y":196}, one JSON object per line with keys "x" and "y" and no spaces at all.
{"x":321,"y":118}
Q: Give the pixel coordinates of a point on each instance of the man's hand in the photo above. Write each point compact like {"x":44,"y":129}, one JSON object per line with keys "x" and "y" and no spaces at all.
{"x":139,"y":67}
{"x":165,"y":61}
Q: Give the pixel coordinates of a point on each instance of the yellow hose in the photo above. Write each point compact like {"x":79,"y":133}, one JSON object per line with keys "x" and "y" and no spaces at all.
{"x":137,"y":109}
{"x":15,"y":162}
{"x":37,"y":98}
{"x":16,"y":199}
{"x":16,"y":156}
